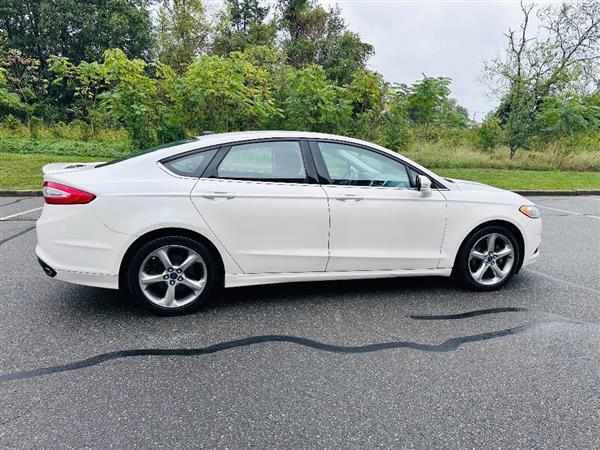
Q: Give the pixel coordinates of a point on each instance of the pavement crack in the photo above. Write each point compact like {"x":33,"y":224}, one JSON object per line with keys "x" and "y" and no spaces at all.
{"x":465,"y":315}
{"x":13,"y":202}
{"x":449,"y":345}
{"x":20,"y":233}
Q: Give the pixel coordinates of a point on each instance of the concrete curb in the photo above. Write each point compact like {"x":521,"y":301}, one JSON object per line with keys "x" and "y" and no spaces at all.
{"x":9,"y":193}
{"x":38,"y":193}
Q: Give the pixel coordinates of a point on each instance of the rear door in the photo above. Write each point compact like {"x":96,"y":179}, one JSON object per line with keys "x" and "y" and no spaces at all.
{"x":378,"y":220}
{"x":262,"y":201}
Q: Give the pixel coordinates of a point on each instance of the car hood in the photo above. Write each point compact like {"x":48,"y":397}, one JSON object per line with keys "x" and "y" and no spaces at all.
{"x":465,"y":185}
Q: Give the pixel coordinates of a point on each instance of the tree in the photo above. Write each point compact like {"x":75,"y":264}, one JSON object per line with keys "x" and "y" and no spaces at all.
{"x":242,"y":25}
{"x":225,"y":94}
{"x":311,"y":102}
{"x":319,"y":36}
{"x":182,"y":32}
{"x":86,"y":81}
{"x":8,"y":100}
{"x":22,"y":77}
{"x":563,"y":57}
{"x":489,"y":133}
{"x":78,"y":30}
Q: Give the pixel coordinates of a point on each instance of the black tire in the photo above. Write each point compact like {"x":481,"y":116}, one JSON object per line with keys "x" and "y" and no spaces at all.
{"x":462,"y":270}
{"x":211,"y":273}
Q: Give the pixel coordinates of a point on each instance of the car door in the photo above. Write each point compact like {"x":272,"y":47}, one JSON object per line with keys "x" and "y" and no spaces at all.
{"x":378,"y":220}
{"x":265,"y":207}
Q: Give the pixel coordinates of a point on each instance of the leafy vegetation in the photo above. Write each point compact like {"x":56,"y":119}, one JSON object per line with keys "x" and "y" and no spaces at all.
{"x":119,"y":75}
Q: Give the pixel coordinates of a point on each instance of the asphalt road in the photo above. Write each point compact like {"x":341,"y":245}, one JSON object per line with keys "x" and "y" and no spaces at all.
{"x":406,"y":362}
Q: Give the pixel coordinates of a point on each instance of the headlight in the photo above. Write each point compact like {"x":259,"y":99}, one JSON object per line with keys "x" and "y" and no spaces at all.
{"x":530,"y":211}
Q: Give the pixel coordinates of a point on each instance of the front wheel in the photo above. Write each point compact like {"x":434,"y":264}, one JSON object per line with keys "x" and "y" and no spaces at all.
{"x":172,"y":275}
{"x":488,"y":259}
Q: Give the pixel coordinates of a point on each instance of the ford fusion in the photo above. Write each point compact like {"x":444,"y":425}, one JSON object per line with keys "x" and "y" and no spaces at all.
{"x":173,"y":225}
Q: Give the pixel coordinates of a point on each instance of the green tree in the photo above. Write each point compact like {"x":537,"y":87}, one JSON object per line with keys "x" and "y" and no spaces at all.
{"x":8,"y":100}
{"x":86,"y":81}
{"x":225,"y":94}
{"x":312,"y":102}
{"x":22,"y":77}
{"x":78,"y":30}
{"x":489,"y":134}
{"x":182,"y":32}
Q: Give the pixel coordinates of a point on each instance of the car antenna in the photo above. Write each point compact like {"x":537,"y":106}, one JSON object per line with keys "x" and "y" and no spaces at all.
{"x":206,"y":133}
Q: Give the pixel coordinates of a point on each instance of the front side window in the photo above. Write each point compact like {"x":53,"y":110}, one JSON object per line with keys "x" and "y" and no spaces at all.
{"x":279,"y":161}
{"x":355,"y":166}
{"x":190,"y":165}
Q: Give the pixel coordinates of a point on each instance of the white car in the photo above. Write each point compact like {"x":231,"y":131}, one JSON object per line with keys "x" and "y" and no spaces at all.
{"x":172,"y":225}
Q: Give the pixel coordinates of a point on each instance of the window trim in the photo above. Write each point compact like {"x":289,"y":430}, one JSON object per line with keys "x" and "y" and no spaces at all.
{"x":325,"y":178}
{"x":161,"y":163}
{"x":309,"y":167}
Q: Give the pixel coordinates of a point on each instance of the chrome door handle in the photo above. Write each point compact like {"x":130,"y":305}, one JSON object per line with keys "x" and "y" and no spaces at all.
{"x":227,"y":195}
{"x":349,"y":197}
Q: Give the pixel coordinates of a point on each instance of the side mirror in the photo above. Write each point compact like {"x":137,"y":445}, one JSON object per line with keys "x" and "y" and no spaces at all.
{"x":423,"y":185}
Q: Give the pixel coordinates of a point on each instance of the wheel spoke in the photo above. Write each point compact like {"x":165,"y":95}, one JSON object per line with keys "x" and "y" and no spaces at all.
{"x":497,"y":271}
{"x":169,"y":296}
{"x":478,"y":275}
{"x":506,"y":251}
{"x":151,"y":279}
{"x":164,"y":258}
{"x":194,"y":285}
{"x":477,"y":255}
{"x":491,"y":242}
{"x":191,"y":259}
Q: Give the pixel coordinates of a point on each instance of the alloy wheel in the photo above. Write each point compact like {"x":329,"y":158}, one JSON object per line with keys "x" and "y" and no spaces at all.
{"x":491,"y":259}
{"x":172,"y":276}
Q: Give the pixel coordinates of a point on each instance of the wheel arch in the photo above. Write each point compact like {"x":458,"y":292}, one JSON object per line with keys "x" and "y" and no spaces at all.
{"x":501,"y":223}
{"x":170,"y":231}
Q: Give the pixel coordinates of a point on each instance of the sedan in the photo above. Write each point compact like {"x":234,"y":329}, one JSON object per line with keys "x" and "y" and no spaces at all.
{"x":173,"y":225}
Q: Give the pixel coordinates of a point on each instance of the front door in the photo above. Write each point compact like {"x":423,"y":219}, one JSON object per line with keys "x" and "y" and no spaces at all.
{"x":265,"y":210}
{"x":378,"y":220}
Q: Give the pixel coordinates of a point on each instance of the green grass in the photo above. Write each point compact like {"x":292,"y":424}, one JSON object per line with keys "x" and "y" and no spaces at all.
{"x":19,"y":171}
{"x":24,"y":171}
{"x":514,"y":179}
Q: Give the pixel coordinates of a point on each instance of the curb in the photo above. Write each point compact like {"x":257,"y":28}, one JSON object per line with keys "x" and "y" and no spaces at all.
{"x":30,"y":193}
{"x":38,"y":193}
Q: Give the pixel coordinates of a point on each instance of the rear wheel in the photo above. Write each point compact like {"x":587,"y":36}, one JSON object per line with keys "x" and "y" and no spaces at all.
{"x":172,"y":275}
{"x":488,"y":259}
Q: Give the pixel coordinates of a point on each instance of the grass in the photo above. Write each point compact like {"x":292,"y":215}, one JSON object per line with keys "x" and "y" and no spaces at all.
{"x":526,"y":180}
{"x":24,"y":171}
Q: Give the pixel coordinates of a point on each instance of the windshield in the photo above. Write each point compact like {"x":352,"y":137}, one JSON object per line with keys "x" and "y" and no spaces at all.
{"x":146,"y":150}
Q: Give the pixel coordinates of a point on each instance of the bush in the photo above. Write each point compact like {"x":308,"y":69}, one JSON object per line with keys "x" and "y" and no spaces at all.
{"x":64,"y":147}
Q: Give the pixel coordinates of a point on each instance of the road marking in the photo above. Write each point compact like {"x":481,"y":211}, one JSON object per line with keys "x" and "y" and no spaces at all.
{"x":569,"y":212}
{"x":20,"y":214}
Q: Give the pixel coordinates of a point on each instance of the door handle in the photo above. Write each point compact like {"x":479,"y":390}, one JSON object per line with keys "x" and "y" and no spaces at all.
{"x":211,"y":195}
{"x":349,"y":197}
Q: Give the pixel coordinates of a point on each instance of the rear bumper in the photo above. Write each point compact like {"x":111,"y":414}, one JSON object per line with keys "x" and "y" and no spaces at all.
{"x":76,"y":245}
{"x":101,"y":280}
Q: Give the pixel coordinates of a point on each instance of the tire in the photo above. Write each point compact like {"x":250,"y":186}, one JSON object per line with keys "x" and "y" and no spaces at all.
{"x":172,"y":275}
{"x":481,"y":269}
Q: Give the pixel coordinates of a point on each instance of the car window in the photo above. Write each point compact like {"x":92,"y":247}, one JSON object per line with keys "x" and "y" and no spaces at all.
{"x":190,"y":165}
{"x":264,"y":161}
{"x":355,"y":166}
{"x":146,"y":150}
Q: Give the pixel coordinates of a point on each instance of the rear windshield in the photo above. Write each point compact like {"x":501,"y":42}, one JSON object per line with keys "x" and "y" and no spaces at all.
{"x":146,"y":150}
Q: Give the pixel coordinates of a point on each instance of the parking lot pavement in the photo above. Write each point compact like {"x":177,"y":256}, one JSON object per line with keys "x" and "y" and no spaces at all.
{"x":405,"y":362}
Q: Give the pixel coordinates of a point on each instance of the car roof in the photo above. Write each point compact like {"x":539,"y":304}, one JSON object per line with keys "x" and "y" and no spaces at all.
{"x":216,"y":139}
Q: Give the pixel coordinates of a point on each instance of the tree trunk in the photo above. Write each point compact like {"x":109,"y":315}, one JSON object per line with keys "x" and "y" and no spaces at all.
{"x":513,"y":150}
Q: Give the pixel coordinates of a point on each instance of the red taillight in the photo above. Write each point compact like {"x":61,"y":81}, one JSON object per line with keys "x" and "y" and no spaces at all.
{"x":59,"y":194}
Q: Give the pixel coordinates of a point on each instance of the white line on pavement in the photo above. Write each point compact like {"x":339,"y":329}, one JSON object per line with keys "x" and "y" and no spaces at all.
{"x":569,"y":212}
{"x":20,"y":214}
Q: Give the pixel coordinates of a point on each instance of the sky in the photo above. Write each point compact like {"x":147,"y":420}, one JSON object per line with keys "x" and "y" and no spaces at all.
{"x":438,"y":38}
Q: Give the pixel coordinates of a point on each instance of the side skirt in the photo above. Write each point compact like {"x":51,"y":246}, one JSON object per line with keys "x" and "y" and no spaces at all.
{"x":250,"y":279}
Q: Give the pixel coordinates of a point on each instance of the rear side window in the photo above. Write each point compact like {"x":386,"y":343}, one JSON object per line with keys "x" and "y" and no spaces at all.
{"x":279,"y":161}
{"x":190,"y":165}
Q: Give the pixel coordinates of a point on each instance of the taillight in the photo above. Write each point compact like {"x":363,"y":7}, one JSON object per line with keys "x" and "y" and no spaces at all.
{"x":59,"y":194}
